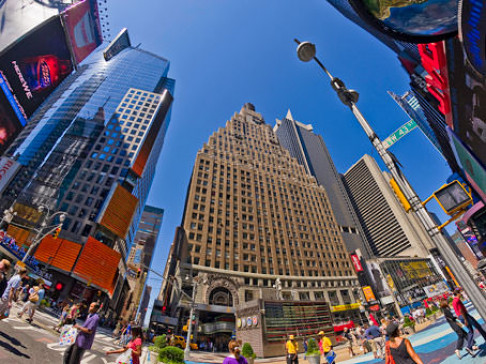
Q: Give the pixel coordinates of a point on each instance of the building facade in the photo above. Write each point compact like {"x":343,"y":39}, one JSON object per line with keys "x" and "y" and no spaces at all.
{"x":256,"y":226}
{"x":311,"y":152}
{"x":389,"y":230}
{"x":90,"y":152}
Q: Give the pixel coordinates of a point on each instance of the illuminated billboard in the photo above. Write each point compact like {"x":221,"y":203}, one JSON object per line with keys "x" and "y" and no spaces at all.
{"x":10,"y":125}
{"x":472,"y":32}
{"x":36,"y":64}
{"x":82,"y":23}
{"x":416,"y":21}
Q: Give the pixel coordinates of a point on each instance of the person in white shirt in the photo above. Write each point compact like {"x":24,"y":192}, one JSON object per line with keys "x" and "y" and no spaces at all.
{"x":9,"y":293}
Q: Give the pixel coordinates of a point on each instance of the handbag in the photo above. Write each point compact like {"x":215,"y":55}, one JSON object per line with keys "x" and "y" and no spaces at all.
{"x":125,"y":357}
{"x":68,"y":335}
{"x":330,"y":356}
{"x":34,"y":297}
{"x":389,"y":357}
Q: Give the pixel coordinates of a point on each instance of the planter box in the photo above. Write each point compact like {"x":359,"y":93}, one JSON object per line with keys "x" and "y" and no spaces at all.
{"x":313,"y":359}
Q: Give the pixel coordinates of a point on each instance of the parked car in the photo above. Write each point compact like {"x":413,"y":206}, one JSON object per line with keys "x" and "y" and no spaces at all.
{"x":180,"y":342}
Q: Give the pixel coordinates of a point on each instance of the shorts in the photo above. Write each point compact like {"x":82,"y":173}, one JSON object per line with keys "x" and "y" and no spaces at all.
{"x":373,"y":345}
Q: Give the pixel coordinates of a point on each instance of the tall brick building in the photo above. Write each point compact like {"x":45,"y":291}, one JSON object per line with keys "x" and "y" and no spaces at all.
{"x":257,"y":227}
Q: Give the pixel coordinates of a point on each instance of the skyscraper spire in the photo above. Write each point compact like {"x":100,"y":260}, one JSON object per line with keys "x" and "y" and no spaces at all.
{"x":289,"y":115}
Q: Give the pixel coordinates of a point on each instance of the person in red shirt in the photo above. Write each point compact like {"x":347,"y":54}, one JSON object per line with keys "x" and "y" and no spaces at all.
{"x":135,"y":344}
{"x":463,"y":315}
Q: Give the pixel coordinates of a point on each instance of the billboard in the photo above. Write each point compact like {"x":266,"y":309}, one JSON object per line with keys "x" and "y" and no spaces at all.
{"x":98,"y":264}
{"x":58,"y":253}
{"x":415,"y":21}
{"x":10,"y":124}
{"x":82,"y":23}
{"x":8,"y":169}
{"x":472,"y":32}
{"x":36,"y":64}
{"x":468,"y":91}
{"x":19,"y":17}
{"x":368,"y":293}
{"x":119,"y":211}
{"x":356,"y":262}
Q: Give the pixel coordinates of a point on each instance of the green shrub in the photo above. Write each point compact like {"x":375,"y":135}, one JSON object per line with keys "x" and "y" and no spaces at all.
{"x":160,"y":341}
{"x":312,"y":347}
{"x":154,"y":348}
{"x":44,"y":303}
{"x":247,"y":351}
{"x":408,"y":323}
{"x":450,"y":299}
{"x":171,"y":355}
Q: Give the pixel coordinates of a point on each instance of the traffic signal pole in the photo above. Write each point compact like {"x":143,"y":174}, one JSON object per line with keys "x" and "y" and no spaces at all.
{"x":306,"y":52}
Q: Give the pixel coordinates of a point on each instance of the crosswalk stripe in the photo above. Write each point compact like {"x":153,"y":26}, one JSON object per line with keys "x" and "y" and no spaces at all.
{"x":87,"y":359}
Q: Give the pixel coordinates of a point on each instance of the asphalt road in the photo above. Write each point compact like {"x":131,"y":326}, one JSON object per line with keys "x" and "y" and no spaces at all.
{"x":21,"y":342}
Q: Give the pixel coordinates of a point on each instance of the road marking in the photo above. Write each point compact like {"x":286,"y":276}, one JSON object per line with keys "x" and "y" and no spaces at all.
{"x":87,"y":359}
{"x":45,"y":340}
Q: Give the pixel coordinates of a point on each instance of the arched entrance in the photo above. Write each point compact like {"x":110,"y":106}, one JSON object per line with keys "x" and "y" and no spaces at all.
{"x":221,"y":296}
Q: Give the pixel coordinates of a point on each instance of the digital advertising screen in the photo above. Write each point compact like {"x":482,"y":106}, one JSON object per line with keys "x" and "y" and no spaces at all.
{"x":82,"y":23}
{"x":10,"y":125}
{"x":35,"y":65}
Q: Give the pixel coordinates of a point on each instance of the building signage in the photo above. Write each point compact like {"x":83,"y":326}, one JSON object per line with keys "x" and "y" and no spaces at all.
{"x":8,"y":169}
{"x":357,"y":263}
{"x":472,"y":31}
{"x":368,"y":293}
{"x":436,"y":289}
{"x":400,"y":133}
{"x":340,"y":308}
{"x":434,"y":61}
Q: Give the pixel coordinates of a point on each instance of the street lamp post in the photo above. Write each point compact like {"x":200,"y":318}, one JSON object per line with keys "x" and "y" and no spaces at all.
{"x":40,"y":232}
{"x":306,"y":52}
{"x":187,"y":349}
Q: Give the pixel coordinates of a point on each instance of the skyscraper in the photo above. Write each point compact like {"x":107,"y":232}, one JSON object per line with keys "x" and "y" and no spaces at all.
{"x":258,"y":226}
{"x":389,"y":230}
{"x":91,"y":152}
{"x":311,"y":152}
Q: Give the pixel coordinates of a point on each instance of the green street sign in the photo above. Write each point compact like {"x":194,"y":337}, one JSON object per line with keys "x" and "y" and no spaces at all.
{"x":400,"y":133}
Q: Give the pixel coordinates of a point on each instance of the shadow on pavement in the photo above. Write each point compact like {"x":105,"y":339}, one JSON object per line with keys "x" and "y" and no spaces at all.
{"x":13,"y":340}
{"x":12,"y":349}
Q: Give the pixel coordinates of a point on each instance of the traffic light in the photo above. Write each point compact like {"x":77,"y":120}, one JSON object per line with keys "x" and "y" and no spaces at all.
{"x":164,"y":308}
{"x":56,"y":232}
{"x":59,"y":286}
{"x":139,"y":271}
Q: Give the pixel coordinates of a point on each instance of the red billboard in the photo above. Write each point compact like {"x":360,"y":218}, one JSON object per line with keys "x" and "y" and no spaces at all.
{"x":35,"y":65}
{"x":357,"y":263}
{"x":82,"y":23}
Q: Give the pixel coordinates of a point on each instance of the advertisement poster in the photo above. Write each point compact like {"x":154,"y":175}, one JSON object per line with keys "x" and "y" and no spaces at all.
{"x":83,"y":26}
{"x":368,"y":293}
{"x":36,"y":64}
{"x":10,"y":125}
{"x":378,"y":280}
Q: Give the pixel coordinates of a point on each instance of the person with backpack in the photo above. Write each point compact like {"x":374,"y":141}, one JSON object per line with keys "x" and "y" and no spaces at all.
{"x":398,"y":349}
{"x":36,"y":295}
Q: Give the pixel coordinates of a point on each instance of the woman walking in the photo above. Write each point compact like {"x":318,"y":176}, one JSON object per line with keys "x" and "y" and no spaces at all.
{"x":135,"y":345}
{"x":458,"y":327}
{"x":235,"y":357}
{"x":399,"y":349}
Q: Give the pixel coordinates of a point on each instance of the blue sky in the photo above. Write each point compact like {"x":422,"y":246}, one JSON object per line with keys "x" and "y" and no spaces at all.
{"x":225,"y":53}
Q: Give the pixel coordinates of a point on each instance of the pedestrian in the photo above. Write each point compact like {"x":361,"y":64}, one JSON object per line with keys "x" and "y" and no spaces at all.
{"x":349,"y":341}
{"x":292,"y":349}
{"x":135,"y":345}
{"x":4,"y":268}
{"x":373,"y":335}
{"x":36,"y":295}
{"x":63,"y":318}
{"x":85,"y":338}
{"x":326,"y":348}
{"x":305,"y":347}
{"x":235,"y":356}
{"x":398,"y":349}
{"x":73,"y":312}
{"x":24,"y":293}
{"x":464,"y":316}
{"x":458,"y":327}
{"x":8,"y":295}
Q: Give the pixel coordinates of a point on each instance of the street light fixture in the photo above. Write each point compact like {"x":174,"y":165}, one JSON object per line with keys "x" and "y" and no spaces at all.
{"x":306,"y":52}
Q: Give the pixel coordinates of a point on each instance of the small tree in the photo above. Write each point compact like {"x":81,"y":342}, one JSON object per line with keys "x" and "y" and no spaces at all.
{"x":312,"y":347}
{"x":160,"y":341}
{"x":171,"y":355}
{"x":247,"y":351}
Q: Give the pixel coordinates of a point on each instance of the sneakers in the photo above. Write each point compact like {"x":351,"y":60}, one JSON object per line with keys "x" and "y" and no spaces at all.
{"x":458,"y":353}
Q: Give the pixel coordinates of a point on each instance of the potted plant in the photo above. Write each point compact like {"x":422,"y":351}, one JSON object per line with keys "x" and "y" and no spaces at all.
{"x":313,"y":354}
{"x":248,"y":353}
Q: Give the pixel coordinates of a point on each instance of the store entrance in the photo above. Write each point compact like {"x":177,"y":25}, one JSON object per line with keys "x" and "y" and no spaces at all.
{"x":214,"y":331}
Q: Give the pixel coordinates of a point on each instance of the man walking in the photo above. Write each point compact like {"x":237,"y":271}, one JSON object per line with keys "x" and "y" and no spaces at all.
{"x":292,"y":348}
{"x":463,"y":315}
{"x":85,"y":338}
{"x":325,"y":346}
{"x":373,"y":335}
{"x":36,"y":295}
{"x":9,"y":293}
